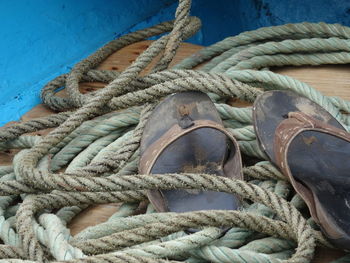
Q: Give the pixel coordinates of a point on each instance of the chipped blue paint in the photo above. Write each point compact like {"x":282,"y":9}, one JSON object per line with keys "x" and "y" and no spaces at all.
{"x":258,"y":13}
{"x":41,"y":39}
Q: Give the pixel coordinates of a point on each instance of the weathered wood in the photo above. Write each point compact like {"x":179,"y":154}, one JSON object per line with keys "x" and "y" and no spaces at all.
{"x":330,"y":80}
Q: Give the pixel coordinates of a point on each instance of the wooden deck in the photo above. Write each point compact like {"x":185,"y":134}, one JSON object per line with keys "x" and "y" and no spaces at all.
{"x":330,"y":80}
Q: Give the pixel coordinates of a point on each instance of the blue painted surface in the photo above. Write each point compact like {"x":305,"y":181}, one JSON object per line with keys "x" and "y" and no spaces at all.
{"x":223,"y":18}
{"x":258,"y":13}
{"x":41,"y":39}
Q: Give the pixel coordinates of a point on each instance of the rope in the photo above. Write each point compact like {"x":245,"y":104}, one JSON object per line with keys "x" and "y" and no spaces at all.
{"x":95,"y":146}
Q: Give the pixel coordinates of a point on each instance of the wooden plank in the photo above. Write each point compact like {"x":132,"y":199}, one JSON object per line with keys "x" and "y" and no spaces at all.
{"x":330,"y":80}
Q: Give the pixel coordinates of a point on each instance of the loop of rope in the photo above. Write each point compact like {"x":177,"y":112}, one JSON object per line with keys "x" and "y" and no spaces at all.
{"x":98,"y":148}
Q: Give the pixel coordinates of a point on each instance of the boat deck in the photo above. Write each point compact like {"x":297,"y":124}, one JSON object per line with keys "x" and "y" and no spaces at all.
{"x":330,"y":80}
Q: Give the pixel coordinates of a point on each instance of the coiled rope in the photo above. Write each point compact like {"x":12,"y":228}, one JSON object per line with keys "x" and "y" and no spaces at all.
{"x":96,"y":139}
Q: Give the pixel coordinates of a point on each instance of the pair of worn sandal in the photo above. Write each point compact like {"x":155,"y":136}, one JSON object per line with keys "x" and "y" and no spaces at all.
{"x":185,"y":134}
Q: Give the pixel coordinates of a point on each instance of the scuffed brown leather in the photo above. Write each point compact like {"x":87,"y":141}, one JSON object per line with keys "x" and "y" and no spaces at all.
{"x":288,"y":129}
{"x":232,"y":168}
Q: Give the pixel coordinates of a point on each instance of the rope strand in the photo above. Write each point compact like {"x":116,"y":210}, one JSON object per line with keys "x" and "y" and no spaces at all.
{"x":99,"y":150}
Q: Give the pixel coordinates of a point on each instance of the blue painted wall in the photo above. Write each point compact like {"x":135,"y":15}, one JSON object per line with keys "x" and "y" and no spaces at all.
{"x":258,"y":13}
{"x":223,"y":18}
{"x":41,"y":39}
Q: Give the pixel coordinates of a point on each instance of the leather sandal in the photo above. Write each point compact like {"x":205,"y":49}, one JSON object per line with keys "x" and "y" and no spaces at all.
{"x":185,"y":134}
{"x":313,"y":150}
